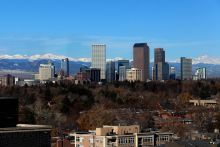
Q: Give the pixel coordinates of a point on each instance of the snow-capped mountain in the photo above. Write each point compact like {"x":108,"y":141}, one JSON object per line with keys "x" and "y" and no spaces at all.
{"x":206,"y":60}
{"x":24,"y":63}
{"x":48,"y":56}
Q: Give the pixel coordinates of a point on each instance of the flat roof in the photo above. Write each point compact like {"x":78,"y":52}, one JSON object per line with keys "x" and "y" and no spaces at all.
{"x":26,"y":128}
{"x":6,"y":98}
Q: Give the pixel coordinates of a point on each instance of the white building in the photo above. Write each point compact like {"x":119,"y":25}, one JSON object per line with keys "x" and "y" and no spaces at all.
{"x":46,"y":72}
{"x":200,"y":74}
{"x":99,"y":59}
{"x":134,"y":74}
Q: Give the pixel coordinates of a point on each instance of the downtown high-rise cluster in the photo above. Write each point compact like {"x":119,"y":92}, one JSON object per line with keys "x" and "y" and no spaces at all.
{"x":138,"y":69}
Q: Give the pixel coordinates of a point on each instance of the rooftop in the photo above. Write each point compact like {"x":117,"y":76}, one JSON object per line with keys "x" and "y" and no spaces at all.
{"x":26,"y":128}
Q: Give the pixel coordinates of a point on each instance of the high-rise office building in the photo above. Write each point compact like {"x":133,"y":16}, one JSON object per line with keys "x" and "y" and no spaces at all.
{"x":126,"y":65}
{"x":122,"y":73}
{"x":110,"y":71}
{"x":141,"y":57}
{"x":99,"y":59}
{"x":46,"y":71}
{"x":172,"y":73}
{"x":186,"y":68}
{"x":161,"y":68}
{"x":159,"y":55}
{"x":123,"y":63}
{"x":200,"y":74}
{"x":65,"y":67}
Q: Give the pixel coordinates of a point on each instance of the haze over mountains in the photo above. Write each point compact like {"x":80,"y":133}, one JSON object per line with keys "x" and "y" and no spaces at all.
{"x":30,"y":64}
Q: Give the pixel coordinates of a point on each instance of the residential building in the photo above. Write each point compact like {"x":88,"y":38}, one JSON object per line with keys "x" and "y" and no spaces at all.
{"x":206,"y":103}
{"x":134,"y":74}
{"x":20,"y":135}
{"x":161,"y":68}
{"x":7,"y":80}
{"x":200,"y":74}
{"x":65,"y":67}
{"x":186,"y":68}
{"x":129,"y":136}
{"x":83,"y":139}
{"x":110,"y":71}
{"x":141,"y":59}
{"x":46,"y":72}
{"x":26,"y":136}
{"x":99,"y":59}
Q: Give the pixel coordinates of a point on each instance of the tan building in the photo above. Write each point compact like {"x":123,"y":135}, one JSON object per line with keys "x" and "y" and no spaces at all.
{"x":129,"y":136}
{"x":119,"y":136}
{"x":134,"y":74}
{"x":46,"y":72}
{"x":141,"y":57}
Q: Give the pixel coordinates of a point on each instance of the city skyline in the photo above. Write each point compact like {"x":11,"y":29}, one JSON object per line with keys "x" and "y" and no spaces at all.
{"x":184,"y":28}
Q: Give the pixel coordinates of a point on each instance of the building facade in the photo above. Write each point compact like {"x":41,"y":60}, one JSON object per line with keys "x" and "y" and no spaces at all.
{"x":161,"y":68}
{"x":99,"y":59}
{"x":26,"y":136}
{"x":120,"y":63}
{"x":46,"y":71}
{"x":95,"y":75}
{"x":122,"y":73}
{"x":65,"y":67}
{"x":7,"y":80}
{"x":172,"y":73}
{"x":141,"y":59}
{"x":200,"y":74}
{"x":134,"y":74}
{"x":110,"y":71}
{"x":186,"y":68}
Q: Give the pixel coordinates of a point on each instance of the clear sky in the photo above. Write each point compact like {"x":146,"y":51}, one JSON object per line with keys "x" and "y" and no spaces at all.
{"x":68,"y":27}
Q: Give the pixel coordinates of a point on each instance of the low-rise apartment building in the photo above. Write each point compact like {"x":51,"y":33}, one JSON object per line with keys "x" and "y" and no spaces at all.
{"x":119,"y":136}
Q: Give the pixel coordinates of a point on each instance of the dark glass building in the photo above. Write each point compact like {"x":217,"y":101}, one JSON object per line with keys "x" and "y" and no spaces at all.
{"x":65,"y":67}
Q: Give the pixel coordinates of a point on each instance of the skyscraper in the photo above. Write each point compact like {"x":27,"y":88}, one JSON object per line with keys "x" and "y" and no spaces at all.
{"x":172,"y":73}
{"x":121,"y":72}
{"x":159,"y":55}
{"x":161,"y":68}
{"x":186,"y":68}
{"x":65,"y":67}
{"x":141,"y":57}
{"x":46,"y":71}
{"x":110,"y":71}
{"x":99,"y":59}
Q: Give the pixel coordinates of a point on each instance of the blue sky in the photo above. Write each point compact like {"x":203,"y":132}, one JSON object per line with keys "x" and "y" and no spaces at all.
{"x":68,"y":27}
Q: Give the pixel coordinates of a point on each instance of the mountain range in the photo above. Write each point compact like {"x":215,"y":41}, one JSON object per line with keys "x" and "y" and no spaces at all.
{"x":27,"y":65}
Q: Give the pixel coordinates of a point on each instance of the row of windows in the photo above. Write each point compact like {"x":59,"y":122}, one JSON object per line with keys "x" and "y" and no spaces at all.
{"x":163,"y":138}
{"x":148,"y":139}
{"x":126,"y":140}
